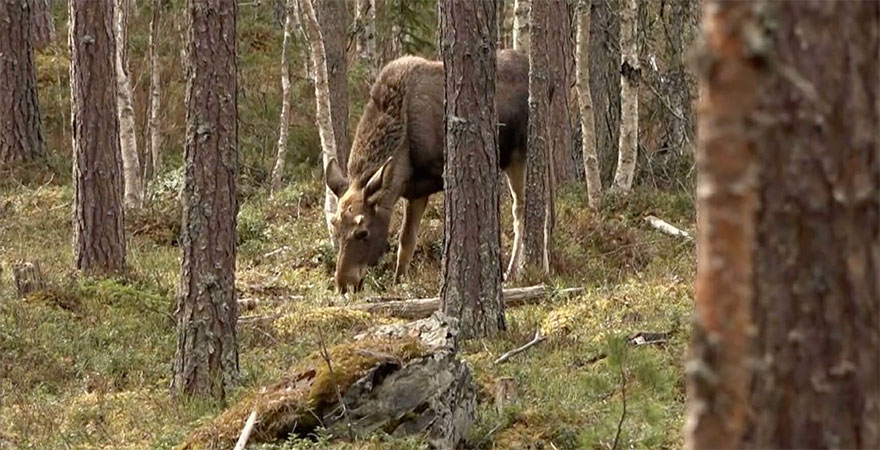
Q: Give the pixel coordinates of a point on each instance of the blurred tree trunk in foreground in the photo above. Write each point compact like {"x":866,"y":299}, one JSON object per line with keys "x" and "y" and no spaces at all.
{"x":785,"y":346}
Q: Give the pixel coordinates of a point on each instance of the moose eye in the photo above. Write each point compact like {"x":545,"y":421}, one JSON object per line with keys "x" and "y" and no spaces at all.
{"x":361,"y":234}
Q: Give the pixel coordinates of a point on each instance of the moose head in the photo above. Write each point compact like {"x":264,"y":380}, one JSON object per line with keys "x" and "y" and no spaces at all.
{"x":361,"y":222}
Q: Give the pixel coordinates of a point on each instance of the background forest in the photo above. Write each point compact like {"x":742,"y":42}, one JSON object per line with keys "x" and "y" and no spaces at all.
{"x":86,"y":361}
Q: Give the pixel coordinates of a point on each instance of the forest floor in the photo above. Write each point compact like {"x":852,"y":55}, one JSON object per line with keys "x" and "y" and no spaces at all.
{"x":86,"y":363}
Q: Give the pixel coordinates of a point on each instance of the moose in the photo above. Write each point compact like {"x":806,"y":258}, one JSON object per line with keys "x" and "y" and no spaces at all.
{"x":398,"y":151}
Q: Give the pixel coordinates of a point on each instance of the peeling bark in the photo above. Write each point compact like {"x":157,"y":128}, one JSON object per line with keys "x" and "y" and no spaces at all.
{"x":98,"y":222}
{"x":627,"y":152}
{"x":206,"y":363}
{"x":21,"y":135}
{"x":471,"y":289}
{"x":131,"y":167}
{"x":585,"y":101}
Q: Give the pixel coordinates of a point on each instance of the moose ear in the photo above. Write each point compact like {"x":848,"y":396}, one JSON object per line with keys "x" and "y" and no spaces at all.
{"x":379,"y":182}
{"x":334,"y":178}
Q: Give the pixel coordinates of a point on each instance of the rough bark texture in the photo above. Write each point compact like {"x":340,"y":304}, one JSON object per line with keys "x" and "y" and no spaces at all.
{"x":154,"y":125}
{"x":324,"y":114}
{"x":718,"y":373}
{"x":284,"y":121}
{"x":540,"y":183}
{"x":333,"y":20}
{"x":627,"y":151}
{"x":42,"y":24}
{"x":605,"y":83}
{"x":98,"y":231}
{"x":206,"y":363}
{"x":521,"y":11}
{"x":131,"y":167}
{"x":816,"y":382}
{"x":21,"y":136}
{"x":471,"y":289}
{"x":585,"y":102}
{"x":560,"y":59}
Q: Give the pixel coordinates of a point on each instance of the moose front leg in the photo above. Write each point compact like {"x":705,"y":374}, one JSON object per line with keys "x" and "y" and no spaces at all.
{"x":412,"y":218}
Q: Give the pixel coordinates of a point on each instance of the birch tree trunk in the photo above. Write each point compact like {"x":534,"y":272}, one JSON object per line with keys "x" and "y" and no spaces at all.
{"x":284,"y":121}
{"x":627,"y":152}
{"x":154,"y":125}
{"x":322,"y":97}
{"x":521,"y":10}
{"x":365,"y":17}
{"x":131,"y":168}
{"x":585,"y":101}
{"x":540,"y":208}
{"x":471,"y":289}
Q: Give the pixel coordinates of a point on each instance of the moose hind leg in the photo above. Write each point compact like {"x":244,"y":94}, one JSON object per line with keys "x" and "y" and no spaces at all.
{"x":516,"y":177}
{"x":412,"y":218}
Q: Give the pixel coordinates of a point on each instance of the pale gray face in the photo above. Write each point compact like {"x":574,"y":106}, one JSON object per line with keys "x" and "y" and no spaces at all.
{"x":360,"y":225}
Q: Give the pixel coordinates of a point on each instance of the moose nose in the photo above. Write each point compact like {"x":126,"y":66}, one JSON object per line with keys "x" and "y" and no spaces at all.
{"x":348,"y":281}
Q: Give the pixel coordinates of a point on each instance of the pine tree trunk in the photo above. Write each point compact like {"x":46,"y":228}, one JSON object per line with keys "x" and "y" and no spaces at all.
{"x":154,"y":125}
{"x":605,"y":83}
{"x":333,"y":21}
{"x":627,"y":152}
{"x":816,"y":294}
{"x":42,"y":24}
{"x":585,"y":101}
{"x":561,"y":59}
{"x":284,"y":121}
{"x":540,"y":183}
{"x":521,"y":11}
{"x":206,"y":363}
{"x":471,"y":289}
{"x":322,"y":96}
{"x":98,"y":222}
{"x":21,"y":136}
{"x":131,"y":167}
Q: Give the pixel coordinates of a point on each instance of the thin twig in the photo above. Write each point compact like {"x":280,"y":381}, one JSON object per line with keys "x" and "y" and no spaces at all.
{"x":246,"y":431}
{"x":622,"y":413}
{"x":326,"y":355}
{"x":535,"y":341}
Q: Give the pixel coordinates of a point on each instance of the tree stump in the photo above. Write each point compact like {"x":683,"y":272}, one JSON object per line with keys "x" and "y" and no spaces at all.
{"x":27,"y":277}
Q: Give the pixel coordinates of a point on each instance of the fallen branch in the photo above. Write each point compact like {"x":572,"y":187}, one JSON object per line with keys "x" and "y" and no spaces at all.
{"x":666,"y":228}
{"x":535,"y":341}
{"x":423,"y":307}
{"x":246,"y":431}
